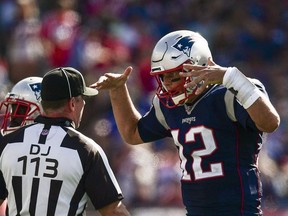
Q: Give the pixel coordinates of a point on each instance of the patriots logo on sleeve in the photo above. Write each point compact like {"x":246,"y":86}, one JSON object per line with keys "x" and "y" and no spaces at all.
{"x":36,"y":88}
{"x":184,"y":45}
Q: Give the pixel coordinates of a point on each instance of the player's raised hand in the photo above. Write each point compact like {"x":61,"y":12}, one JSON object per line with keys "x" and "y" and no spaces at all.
{"x":112,"y":80}
{"x":203,"y":76}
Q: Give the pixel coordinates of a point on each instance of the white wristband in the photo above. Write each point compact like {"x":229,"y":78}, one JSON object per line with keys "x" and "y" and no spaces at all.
{"x":244,"y":90}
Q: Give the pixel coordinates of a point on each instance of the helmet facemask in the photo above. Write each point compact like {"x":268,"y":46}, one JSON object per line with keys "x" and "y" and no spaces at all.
{"x":172,"y":97}
{"x":17,"y":113}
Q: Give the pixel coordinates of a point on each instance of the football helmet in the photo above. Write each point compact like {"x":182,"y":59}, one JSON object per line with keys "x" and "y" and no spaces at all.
{"x":22,"y":105}
{"x":169,"y":55}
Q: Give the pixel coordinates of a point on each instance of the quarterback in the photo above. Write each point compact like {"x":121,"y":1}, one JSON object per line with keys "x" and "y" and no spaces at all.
{"x":216,"y":116}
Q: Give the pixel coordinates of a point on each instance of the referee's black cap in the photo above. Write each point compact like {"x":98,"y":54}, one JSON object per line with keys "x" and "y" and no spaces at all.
{"x":64,"y":83}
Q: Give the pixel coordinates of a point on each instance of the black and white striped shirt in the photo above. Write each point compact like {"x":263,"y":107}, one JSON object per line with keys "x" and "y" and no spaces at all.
{"x":51,"y":169}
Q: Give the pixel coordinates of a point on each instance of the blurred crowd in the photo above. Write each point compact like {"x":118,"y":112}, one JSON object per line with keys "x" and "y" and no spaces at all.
{"x":99,"y":36}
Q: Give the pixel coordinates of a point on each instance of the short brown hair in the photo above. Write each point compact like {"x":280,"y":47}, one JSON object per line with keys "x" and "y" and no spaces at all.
{"x":53,"y":105}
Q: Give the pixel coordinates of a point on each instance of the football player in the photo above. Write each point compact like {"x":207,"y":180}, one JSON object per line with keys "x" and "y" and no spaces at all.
{"x":216,"y":116}
{"x":20,"y":107}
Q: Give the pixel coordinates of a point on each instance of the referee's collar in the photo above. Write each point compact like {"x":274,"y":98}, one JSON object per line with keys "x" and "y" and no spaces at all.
{"x":55,"y":121}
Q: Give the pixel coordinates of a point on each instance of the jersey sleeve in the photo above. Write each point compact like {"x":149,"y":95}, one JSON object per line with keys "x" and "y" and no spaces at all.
{"x":150,"y":128}
{"x":100,"y":182}
{"x":238,"y":112}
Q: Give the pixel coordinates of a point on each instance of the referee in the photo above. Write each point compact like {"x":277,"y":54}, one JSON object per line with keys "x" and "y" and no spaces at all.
{"x":49,"y":168}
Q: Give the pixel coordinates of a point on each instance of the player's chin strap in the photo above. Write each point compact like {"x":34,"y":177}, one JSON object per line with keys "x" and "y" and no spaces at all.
{"x":179,"y":99}
{"x":244,"y":90}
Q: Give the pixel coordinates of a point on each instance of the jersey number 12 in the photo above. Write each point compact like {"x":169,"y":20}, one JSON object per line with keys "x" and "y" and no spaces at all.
{"x":198,"y":155}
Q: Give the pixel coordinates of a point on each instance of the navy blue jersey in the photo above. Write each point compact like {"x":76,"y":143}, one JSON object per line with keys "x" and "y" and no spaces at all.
{"x":218,"y":146}
{"x":49,"y":168}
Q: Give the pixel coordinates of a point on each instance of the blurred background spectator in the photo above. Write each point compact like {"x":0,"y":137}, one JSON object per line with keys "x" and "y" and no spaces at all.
{"x":107,"y":35}
{"x":25,"y":52}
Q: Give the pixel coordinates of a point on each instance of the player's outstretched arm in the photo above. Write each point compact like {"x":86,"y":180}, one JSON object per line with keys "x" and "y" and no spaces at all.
{"x":114,"y":209}
{"x":125,"y":113}
{"x":252,"y":99}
